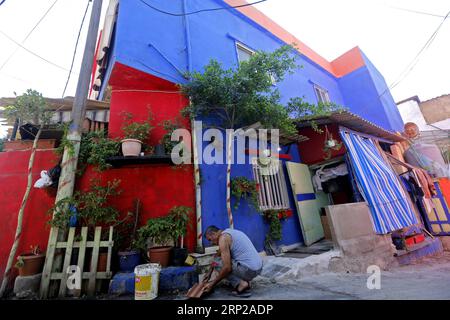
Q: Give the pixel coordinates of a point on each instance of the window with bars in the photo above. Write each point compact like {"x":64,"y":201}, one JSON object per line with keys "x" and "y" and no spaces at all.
{"x":272,"y":193}
{"x":322,"y":94}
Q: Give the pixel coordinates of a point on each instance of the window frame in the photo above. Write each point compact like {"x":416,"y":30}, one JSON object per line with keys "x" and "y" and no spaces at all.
{"x":273,"y":192}
{"x":321,"y":93}
{"x":243,"y":47}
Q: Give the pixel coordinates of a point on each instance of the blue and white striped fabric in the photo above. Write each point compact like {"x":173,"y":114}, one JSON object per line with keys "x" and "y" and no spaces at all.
{"x":379,"y":185}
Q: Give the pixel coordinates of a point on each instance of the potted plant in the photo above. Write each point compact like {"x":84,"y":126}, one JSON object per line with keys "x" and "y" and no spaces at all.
{"x":330,"y":144}
{"x":129,"y":256}
{"x":136,"y":133}
{"x":241,"y":187}
{"x":179,"y":216}
{"x":159,"y":230}
{"x":30,"y":263}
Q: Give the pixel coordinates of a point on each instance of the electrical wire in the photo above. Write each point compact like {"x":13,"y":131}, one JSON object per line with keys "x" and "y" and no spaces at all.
{"x":76,"y":46}
{"x":416,"y":59}
{"x":198,"y":11}
{"x":419,"y":12}
{"x":2,"y":2}
{"x":29,"y":33}
{"x":33,"y":53}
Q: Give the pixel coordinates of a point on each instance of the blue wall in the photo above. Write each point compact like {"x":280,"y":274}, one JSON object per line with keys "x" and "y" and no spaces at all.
{"x":245,"y":217}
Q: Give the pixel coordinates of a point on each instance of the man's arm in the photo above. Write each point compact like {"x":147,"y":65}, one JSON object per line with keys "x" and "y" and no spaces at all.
{"x":224,"y":247}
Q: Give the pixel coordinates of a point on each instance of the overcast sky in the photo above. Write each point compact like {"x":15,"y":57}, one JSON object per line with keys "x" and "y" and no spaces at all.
{"x":390,"y":38}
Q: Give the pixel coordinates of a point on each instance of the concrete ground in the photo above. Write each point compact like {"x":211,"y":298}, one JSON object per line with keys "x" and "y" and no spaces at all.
{"x":427,"y":279}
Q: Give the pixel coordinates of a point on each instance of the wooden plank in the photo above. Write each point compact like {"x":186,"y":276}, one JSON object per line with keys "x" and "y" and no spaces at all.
{"x":108,"y":262}
{"x":85,"y":275}
{"x":81,"y":254}
{"x":66,"y":264}
{"x":94,"y":260}
{"x":50,"y":255}
{"x":89,"y":244}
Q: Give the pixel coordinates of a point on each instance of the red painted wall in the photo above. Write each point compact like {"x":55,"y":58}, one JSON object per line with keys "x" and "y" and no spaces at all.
{"x":311,"y":151}
{"x":159,"y":187}
{"x":13,"y":182}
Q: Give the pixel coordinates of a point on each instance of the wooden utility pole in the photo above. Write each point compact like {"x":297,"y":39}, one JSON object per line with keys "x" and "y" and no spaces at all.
{"x":70,"y":156}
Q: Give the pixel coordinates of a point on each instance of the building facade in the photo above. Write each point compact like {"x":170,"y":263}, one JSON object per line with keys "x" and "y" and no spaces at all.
{"x":146,"y":48}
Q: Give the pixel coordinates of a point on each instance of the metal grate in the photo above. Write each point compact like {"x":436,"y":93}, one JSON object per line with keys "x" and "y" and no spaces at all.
{"x":272,"y":185}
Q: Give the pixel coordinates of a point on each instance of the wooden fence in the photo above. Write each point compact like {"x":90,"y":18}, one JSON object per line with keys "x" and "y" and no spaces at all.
{"x":55,"y":246}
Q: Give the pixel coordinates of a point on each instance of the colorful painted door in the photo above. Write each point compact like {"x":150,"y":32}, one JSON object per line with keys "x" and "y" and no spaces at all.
{"x":306,"y":202}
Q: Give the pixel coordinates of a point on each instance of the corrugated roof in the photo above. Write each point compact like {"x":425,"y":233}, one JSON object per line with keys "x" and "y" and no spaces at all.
{"x":353,"y":122}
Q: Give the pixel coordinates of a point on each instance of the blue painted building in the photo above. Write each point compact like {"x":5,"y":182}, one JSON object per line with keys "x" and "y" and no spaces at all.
{"x":163,"y":39}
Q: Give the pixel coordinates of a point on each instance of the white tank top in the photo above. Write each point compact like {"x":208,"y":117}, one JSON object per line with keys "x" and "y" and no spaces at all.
{"x":243,"y":250}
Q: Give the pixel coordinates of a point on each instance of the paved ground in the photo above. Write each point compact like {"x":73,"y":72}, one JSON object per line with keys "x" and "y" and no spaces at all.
{"x":427,"y":279}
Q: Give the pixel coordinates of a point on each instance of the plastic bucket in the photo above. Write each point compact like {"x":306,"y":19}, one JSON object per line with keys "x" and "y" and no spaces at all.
{"x":146,"y":281}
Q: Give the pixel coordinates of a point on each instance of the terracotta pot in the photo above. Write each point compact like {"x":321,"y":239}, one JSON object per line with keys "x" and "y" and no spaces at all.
{"x":102,"y":261}
{"x":160,"y":255}
{"x":33,"y":264}
{"x":131,"y":147}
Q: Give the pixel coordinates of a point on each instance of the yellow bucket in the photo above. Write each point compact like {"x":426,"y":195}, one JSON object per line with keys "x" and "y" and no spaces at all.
{"x":146,"y":281}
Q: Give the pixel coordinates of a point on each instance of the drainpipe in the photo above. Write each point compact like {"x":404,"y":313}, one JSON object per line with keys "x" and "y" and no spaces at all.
{"x":198,"y":190}
{"x":187,"y":34}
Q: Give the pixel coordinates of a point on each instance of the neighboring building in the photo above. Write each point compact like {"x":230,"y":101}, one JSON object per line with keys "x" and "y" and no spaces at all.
{"x":431,"y":116}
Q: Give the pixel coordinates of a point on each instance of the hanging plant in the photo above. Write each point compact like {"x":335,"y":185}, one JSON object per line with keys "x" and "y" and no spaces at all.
{"x":241,"y":187}
{"x":330,"y":144}
{"x":274,"y":218}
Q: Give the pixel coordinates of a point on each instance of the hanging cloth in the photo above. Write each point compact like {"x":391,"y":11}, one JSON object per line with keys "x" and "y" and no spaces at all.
{"x":380,"y":186}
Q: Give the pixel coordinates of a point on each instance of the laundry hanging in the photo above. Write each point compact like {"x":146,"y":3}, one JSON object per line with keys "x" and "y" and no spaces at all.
{"x":379,"y":184}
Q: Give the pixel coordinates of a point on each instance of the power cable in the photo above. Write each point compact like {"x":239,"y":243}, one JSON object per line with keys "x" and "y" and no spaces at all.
{"x":198,"y":11}
{"x":33,"y":53}
{"x":76,"y":46}
{"x":2,"y":2}
{"x":416,"y":59}
{"x":29,"y":33}
{"x":419,"y":12}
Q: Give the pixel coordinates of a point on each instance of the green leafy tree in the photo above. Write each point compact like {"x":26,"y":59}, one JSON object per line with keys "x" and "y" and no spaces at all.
{"x":241,"y":96}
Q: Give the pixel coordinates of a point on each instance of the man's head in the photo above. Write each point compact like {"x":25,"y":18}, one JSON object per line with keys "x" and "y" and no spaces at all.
{"x":212,"y":234}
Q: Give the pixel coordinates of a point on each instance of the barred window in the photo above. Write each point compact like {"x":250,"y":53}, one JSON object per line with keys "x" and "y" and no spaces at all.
{"x":272,"y":193}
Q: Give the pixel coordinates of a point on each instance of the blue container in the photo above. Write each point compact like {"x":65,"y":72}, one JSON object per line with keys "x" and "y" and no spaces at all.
{"x":73,"y":220}
{"x":128,"y":260}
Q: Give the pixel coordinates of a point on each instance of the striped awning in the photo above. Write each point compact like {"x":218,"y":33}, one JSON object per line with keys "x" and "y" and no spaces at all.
{"x":378,"y":184}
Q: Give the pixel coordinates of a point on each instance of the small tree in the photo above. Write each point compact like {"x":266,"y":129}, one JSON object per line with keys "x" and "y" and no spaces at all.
{"x":245,"y":95}
{"x":28,"y":108}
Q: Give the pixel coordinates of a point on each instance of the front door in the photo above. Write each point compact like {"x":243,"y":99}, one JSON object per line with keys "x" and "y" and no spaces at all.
{"x":306,"y":202}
